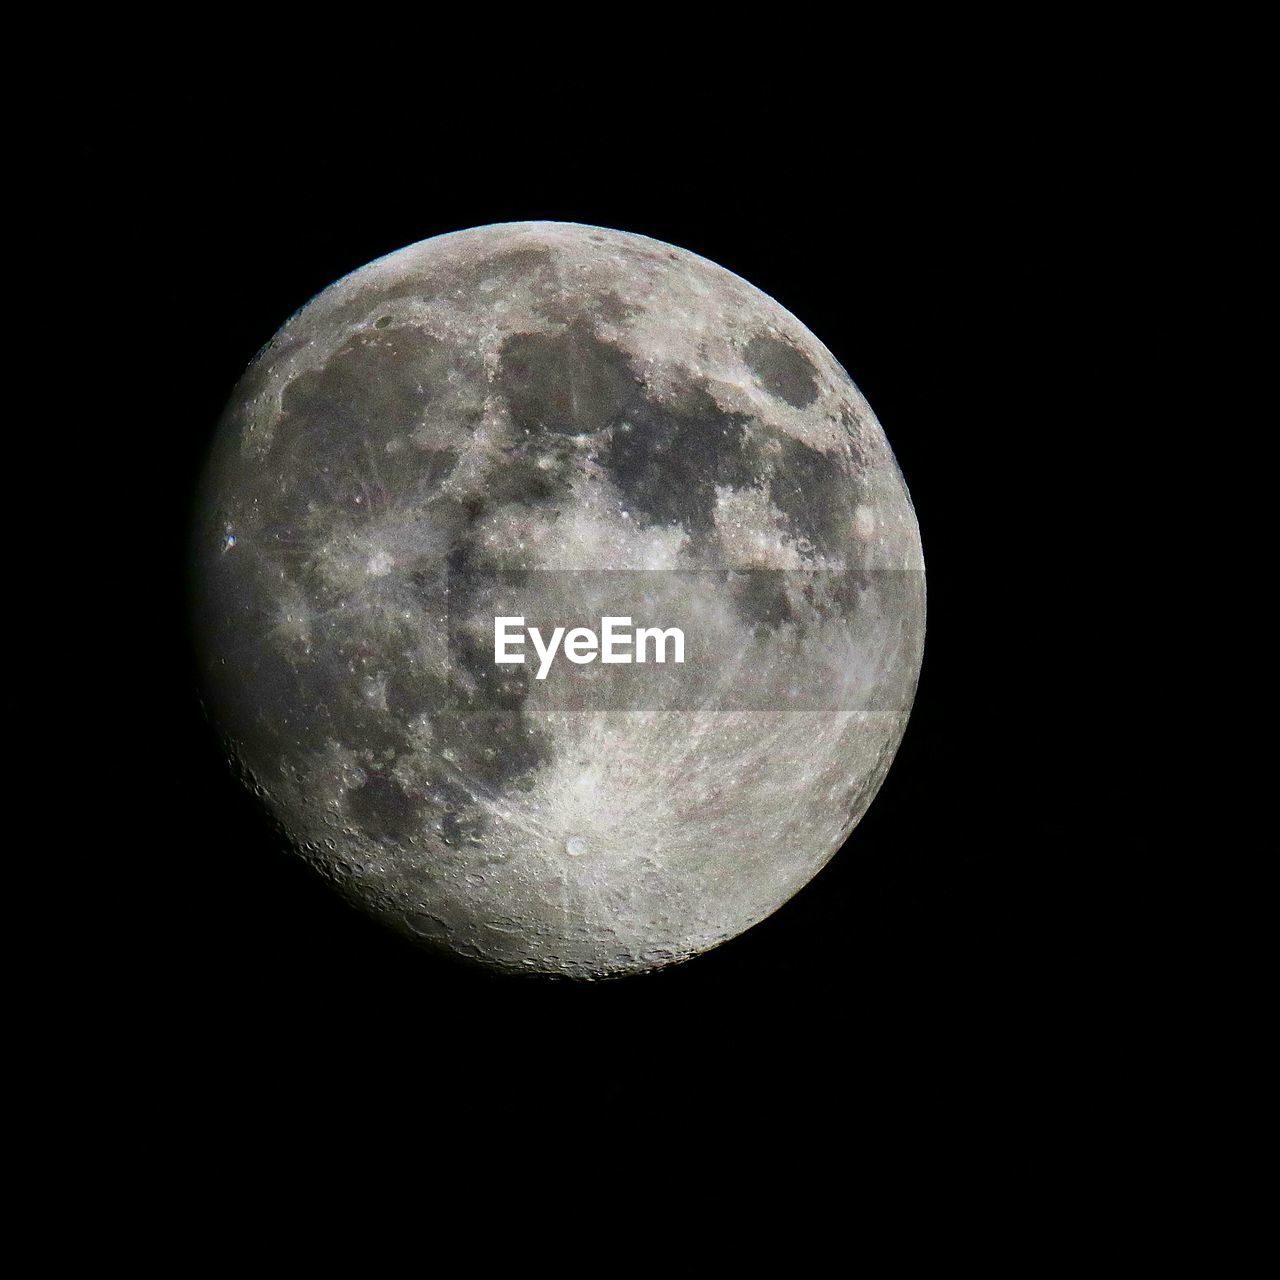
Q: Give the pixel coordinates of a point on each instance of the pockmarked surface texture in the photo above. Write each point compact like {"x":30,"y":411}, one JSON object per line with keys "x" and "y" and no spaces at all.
{"x":613,"y":425}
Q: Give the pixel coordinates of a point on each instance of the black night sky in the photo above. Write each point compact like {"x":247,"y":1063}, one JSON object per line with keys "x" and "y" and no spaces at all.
{"x":975,"y":292}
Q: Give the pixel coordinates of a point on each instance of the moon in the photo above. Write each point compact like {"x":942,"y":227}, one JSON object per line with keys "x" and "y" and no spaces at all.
{"x":561,"y":424}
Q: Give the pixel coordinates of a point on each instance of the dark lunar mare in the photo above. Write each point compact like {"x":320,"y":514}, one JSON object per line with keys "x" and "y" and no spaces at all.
{"x":328,"y":463}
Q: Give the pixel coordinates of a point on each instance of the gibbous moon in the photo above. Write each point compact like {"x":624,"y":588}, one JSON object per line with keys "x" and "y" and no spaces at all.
{"x":560,"y":424}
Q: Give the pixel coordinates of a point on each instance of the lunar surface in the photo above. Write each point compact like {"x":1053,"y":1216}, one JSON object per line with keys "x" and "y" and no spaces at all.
{"x":562,"y":424}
